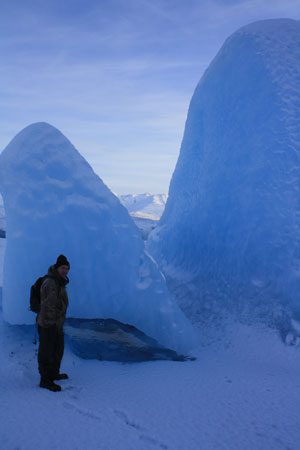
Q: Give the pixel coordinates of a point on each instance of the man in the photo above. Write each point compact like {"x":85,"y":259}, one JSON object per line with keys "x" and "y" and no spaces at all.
{"x":50,"y":320}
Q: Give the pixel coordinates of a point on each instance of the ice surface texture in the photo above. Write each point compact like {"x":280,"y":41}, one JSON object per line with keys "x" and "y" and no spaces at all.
{"x":231,"y":227}
{"x":54,"y":204}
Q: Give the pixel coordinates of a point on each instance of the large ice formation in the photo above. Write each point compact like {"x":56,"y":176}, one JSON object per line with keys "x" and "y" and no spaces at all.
{"x":231,"y":228}
{"x":54,"y":204}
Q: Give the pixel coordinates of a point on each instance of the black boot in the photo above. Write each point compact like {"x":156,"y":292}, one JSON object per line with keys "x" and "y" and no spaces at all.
{"x":48,"y":384}
{"x":61,"y":376}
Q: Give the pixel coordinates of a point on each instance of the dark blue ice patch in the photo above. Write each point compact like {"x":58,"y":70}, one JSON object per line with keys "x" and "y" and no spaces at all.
{"x":111,"y":340}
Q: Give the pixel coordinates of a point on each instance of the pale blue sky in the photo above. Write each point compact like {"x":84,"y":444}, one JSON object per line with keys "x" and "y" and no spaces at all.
{"x":116,"y":77}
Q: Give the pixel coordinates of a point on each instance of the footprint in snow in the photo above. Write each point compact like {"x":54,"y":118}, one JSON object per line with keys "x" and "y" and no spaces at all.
{"x":143,"y":437}
{"x":83,"y":411}
{"x":72,"y":391}
{"x":228,"y":380}
{"x":154,"y":441}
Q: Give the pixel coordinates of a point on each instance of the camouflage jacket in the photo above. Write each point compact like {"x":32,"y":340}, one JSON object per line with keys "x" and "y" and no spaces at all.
{"x":54,"y":300}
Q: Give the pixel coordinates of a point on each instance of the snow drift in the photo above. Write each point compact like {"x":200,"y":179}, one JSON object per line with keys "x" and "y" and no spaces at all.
{"x":231,"y":228}
{"x":54,"y":204}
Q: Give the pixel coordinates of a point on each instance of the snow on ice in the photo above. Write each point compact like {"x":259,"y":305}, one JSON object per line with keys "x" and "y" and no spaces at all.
{"x":231,"y":228}
{"x":54,"y":204}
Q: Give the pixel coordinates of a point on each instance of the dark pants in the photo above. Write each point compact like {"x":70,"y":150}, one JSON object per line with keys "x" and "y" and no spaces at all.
{"x":51,"y":350}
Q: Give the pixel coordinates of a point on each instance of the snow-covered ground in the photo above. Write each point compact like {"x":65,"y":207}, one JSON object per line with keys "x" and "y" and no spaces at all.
{"x":145,"y":226}
{"x":240,"y":393}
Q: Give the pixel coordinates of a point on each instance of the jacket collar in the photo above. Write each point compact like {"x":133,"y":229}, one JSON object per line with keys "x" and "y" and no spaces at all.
{"x":52,"y":273}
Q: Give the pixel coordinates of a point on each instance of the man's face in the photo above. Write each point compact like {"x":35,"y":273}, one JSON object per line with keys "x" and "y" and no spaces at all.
{"x":63,"y":271}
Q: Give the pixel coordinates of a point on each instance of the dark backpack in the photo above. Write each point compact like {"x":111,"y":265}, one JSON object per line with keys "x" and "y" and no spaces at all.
{"x":35,"y":295}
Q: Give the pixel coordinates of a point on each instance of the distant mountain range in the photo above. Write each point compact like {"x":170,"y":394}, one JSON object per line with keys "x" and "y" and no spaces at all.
{"x":144,"y":206}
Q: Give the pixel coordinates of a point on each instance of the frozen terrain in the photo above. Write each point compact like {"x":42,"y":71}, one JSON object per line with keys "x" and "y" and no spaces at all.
{"x":59,"y":205}
{"x":230,"y":234}
{"x":146,"y":226}
{"x":237,"y":395}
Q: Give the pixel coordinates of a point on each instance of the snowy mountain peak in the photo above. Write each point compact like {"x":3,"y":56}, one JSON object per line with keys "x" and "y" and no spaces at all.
{"x":145,"y":206}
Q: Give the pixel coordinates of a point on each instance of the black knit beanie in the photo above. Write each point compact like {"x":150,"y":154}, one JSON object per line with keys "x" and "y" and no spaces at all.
{"x":61,"y":261}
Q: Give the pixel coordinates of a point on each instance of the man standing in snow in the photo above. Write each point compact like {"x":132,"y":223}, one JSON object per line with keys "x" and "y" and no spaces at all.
{"x":50,"y":320}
